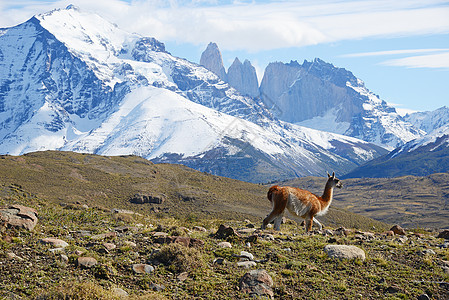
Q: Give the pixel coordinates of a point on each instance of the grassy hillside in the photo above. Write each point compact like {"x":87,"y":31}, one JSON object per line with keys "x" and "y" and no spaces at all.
{"x":110,"y":182}
{"x":411,"y":201}
{"x":75,"y":194}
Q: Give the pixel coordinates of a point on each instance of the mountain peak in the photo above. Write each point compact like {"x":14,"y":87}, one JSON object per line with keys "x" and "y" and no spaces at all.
{"x":72,"y":6}
{"x":211,"y":59}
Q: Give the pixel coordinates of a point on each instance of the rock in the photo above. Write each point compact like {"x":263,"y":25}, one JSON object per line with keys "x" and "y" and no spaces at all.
{"x":219,"y":261}
{"x":344,"y":252}
{"x":342,"y":231}
{"x":12,"y":255}
{"x":393,"y":289}
{"x":199,"y":228}
{"x":423,"y":297}
{"x":426,"y":252}
{"x":54,"y":242}
{"x":257,"y":283}
{"x":130,"y":244}
{"x":159,"y":234}
{"x":246,"y":264}
{"x":267,"y":236}
{"x":183,"y":276}
{"x":157,"y":287}
{"x":246,"y":230}
{"x":247,"y":255}
{"x":64,"y":258}
{"x":102,"y":236}
{"x":224,"y":232}
{"x":122,"y":211}
{"x":109,"y":246}
{"x":86,"y":262}
{"x":401,"y":239}
{"x":224,"y":245}
{"x":19,"y":216}
{"x":149,"y":198}
{"x":444,"y":234}
{"x":143,"y":268}
{"x":328,"y":232}
{"x":398,"y":230}
{"x":119,"y":292}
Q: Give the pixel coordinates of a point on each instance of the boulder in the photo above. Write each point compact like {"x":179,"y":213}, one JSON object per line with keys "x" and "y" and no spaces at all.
{"x":224,"y":232}
{"x":142,"y":269}
{"x":257,"y":283}
{"x":19,"y":216}
{"x":398,"y":230}
{"x":54,"y":242}
{"x":344,"y":252}
{"x":86,"y":262}
{"x":444,"y":234}
{"x":149,"y":198}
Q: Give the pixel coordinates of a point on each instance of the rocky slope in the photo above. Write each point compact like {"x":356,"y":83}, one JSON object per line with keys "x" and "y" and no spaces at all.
{"x":419,"y":157}
{"x":318,"y":95}
{"x":429,"y":121}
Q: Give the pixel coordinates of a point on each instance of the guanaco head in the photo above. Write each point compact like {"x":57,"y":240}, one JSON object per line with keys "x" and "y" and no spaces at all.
{"x":334,"y":181}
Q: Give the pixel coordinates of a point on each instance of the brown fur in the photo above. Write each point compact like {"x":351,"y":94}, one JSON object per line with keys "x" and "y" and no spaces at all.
{"x":299,"y":202}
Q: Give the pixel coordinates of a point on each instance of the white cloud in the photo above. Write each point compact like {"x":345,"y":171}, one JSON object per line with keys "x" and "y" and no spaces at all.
{"x":394,"y":52}
{"x":255,"y":26}
{"x":439,"y":60}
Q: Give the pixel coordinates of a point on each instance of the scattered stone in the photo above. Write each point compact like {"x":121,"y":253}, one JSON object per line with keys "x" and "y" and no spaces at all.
{"x":183,"y":276}
{"x":426,"y":252}
{"x":393,"y":289}
{"x":56,"y":250}
{"x":328,"y":232}
{"x":224,"y":245}
{"x":246,"y":230}
{"x":54,"y":242}
{"x":445,"y":269}
{"x":102,"y":236}
{"x":246,"y":264}
{"x":267,"y":236}
{"x":332,"y":240}
{"x":444,"y":234}
{"x":398,"y":230}
{"x":342,"y":231}
{"x":143,"y":268}
{"x":157,"y":287}
{"x":401,"y":239}
{"x":159,"y":234}
{"x":423,"y":297}
{"x":149,"y":198}
{"x":344,"y":252}
{"x":79,"y":252}
{"x":19,"y":216}
{"x":199,"y":228}
{"x":64,"y":258}
{"x":119,"y":292}
{"x":122,"y":229}
{"x":130,"y":244}
{"x":224,"y":232}
{"x":12,"y":255}
{"x":86,"y":262}
{"x":219,"y":261}
{"x":444,"y":245}
{"x":83,"y":233}
{"x":257,"y":283}
{"x":109,"y":246}
{"x":251,"y":239}
{"x":247,"y":255}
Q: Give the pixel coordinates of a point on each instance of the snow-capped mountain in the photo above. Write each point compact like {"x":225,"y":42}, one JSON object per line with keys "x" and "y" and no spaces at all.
{"x":321,"y":96}
{"x":420,"y":157}
{"x":69,"y":80}
{"x":429,"y":121}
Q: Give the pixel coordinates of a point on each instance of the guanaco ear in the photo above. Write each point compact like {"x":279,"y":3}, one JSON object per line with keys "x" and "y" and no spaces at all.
{"x":328,"y":176}
{"x":333,"y":175}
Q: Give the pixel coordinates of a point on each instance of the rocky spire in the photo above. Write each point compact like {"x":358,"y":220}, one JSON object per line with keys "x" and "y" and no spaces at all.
{"x":243,"y":78}
{"x":211,"y":59}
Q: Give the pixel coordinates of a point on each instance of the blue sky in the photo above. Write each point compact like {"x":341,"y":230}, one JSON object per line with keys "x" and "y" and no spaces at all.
{"x":400,"y":49}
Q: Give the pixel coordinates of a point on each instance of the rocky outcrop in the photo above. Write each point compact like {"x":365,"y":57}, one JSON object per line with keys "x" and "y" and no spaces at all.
{"x":18,"y":216}
{"x":243,"y":78}
{"x":211,"y":59}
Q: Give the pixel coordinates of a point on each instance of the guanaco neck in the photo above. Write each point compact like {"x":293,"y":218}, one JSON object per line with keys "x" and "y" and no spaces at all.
{"x":328,"y":192}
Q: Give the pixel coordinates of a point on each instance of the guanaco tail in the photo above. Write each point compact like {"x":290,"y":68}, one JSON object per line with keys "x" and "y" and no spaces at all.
{"x":300,"y":203}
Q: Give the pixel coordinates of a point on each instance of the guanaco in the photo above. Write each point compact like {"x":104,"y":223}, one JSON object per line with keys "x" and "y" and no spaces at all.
{"x":300,"y":203}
